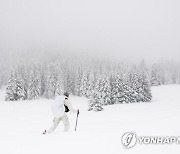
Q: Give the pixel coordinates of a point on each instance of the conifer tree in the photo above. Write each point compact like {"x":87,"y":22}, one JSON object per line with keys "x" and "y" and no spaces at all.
{"x":34,"y":88}
{"x":117,"y":92}
{"x":95,"y":102}
{"x":104,"y":89}
{"x":78,"y":80}
{"x":11,"y":87}
{"x":84,"y":85}
{"x":154,"y":79}
{"x":51,"y":82}
{"x":90,"y":85}
{"x":20,"y":88}
{"x":144,"y":90}
{"x":134,"y":84}
{"x":59,"y":86}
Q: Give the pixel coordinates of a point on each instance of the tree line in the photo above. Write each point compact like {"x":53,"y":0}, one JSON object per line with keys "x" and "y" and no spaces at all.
{"x":104,"y":83}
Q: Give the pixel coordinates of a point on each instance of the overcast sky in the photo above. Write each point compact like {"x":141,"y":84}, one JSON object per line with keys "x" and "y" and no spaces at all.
{"x":127,"y":30}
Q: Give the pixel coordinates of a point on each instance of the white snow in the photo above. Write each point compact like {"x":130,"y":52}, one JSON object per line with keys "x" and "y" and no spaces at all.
{"x":22,"y":124}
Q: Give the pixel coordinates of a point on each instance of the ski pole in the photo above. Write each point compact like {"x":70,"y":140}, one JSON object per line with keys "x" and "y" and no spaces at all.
{"x":76,"y":120}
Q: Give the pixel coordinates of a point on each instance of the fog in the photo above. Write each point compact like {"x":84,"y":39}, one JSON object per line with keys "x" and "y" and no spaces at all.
{"x":121,"y":30}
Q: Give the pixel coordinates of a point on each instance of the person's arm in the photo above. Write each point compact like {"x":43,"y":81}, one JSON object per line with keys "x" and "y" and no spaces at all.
{"x":70,"y":107}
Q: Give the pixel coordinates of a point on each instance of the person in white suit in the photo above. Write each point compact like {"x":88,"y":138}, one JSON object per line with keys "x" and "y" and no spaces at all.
{"x":60,"y":107}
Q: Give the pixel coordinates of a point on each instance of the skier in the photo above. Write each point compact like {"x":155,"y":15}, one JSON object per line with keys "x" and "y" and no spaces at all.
{"x":60,"y":107}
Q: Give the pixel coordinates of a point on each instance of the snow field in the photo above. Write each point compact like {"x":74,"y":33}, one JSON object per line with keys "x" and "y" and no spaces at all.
{"x":23,"y":122}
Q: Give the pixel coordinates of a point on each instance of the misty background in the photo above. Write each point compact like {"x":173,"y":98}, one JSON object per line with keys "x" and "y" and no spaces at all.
{"x":118,"y":30}
{"x":111,"y":51}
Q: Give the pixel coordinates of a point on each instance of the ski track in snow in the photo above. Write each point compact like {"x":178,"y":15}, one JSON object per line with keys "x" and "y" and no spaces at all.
{"x":23,"y":122}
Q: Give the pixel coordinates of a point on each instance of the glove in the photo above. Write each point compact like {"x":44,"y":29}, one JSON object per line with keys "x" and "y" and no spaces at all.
{"x":78,"y":111}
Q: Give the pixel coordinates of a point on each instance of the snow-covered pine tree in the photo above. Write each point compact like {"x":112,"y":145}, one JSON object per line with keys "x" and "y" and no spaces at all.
{"x":125,"y":92}
{"x":114,"y":89}
{"x":147,"y":96}
{"x":119,"y":91}
{"x":95,"y":102}
{"x":154,"y":79}
{"x":161,"y":71}
{"x":104,"y":89}
{"x":25,"y":76}
{"x":51,"y":82}
{"x":144,"y":91}
{"x":20,"y":87}
{"x":78,"y":79}
{"x":4,"y":74}
{"x":134,"y":83}
{"x":65,"y":77}
{"x":43,"y":70}
{"x":58,"y":77}
{"x":71,"y":81}
{"x":16,"y":87}
{"x":90,"y":84}
{"x":68,"y":82}
{"x":11,"y":87}
{"x":84,"y":85}
{"x":34,"y":88}
{"x":127,"y":78}
{"x":59,"y":86}
{"x":129,"y":93}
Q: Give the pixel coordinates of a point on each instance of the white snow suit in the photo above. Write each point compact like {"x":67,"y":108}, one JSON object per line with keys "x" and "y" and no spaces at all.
{"x":59,"y":114}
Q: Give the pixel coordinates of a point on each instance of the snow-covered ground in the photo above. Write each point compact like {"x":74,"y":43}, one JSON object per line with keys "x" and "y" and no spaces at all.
{"x":22,"y":124}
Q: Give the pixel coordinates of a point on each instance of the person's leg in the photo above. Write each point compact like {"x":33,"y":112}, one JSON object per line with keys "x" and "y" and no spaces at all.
{"x":54,"y":126}
{"x":65,"y":121}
